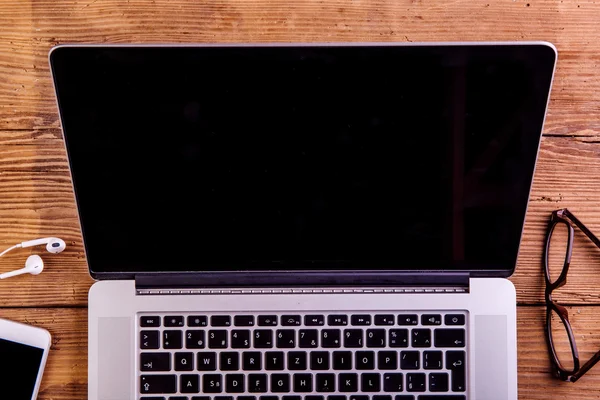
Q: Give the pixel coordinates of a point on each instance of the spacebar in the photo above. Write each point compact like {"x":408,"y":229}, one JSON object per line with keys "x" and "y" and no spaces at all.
{"x":442,"y":397}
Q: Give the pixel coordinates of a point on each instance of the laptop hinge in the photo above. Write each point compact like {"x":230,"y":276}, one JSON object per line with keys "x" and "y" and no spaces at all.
{"x":302,"y":279}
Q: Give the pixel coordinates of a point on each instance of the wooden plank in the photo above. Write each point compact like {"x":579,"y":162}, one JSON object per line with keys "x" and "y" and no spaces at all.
{"x":65,"y":377}
{"x":28,"y":29}
{"x":66,"y":373}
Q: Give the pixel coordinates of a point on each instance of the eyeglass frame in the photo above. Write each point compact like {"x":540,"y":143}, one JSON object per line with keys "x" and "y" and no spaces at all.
{"x":571,"y":375}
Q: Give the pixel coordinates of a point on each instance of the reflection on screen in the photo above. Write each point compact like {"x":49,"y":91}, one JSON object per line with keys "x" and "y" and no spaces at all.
{"x":19,"y":366}
{"x":283,"y":158}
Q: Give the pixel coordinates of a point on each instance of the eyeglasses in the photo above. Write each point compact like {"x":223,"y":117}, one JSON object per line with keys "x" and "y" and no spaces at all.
{"x":565,"y":364}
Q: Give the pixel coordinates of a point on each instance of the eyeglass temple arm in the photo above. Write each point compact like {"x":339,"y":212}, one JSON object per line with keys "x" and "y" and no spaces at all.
{"x":585,"y":230}
{"x":586,"y":367}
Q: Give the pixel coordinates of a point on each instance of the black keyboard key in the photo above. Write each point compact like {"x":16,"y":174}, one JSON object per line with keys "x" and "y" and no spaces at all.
{"x":415,"y":382}
{"x":387,"y":360}
{"x":335,"y":397}
{"x":365,"y":360}
{"x":393,"y":382}
{"x":289,"y":398}
{"x":385,"y":319}
{"x":431,"y":319}
{"x":308,"y":338}
{"x":398,"y":337}
{"x":455,"y":362}
{"x":269,"y":398}
{"x":381,"y":397}
{"x":217,"y":339}
{"x":314,"y":320}
{"x":291,"y":320}
{"x":297,"y":361}
{"x":184,"y":361}
{"x":353,"y":338}
{"x":421,"y":337}
{"x":150,"y":384}
{"x":243,"y":320}
{"x":303,"y":383}
{"x":409,"y":359}
{"x":200,"y":397}
{"x":337,"y":320}
{"x":229,"y":361}
{"x":438,"y":382}
{"x":257,"y":383}
{"x":286,"y":339}
{"x":251,"y":361}
{"x":408,"y":319}
{"x":360,"y":320}
{"x":152,"y":398}
{"x":267,"y":320}
{"x":319,"y":360}
{"x":194,"y":340}
{"x":178,"y":398}
{"x":314,"y":397}
{"x":375,"y":337}
{"x":149,"y":340}
{"x":325,"y":383}
{"x":197,"y":320}
{"x":220,"y":320}
{"x":173,"y":320}
{"x":449,"y":338}
{"x":404,"y":397}
{"x":359,"y":397}
{"x":280,"y":383}
{"x":441,"y":397}
{"x":274,"y":360}
{"x":243,"y":398}
{"x":342,"y":360}
{"x":234,"y":383}
{"x":190,"y":384}
{"x":348,"y":383}
{"x":172,"y":339}
{"x":212,"y":383}
{"x":155,"y":362}
{"x":454,"y":319}
{"x":206,"y":361}
{"x":240,"y":339}
{"x":331,"y":338}
{"x":147,"y":321}
{"x":432,"y":359}
{"x":223,"y":398}
{"x":263,"y":338}
{"x":370,"y":382}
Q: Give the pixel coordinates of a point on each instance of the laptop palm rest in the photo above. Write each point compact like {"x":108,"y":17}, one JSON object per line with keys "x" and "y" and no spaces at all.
{"x":114,"y":359}
{"x":491,"y":359}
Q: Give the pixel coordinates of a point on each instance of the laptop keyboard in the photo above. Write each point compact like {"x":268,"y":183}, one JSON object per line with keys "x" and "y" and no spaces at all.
{"x":302,"y":356}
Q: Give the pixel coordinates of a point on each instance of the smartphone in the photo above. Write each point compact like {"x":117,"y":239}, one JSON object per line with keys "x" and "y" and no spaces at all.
{"x":23,"y":351}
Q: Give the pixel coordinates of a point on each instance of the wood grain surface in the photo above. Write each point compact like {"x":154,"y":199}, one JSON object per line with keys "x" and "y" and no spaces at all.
{"x":36,"y":196}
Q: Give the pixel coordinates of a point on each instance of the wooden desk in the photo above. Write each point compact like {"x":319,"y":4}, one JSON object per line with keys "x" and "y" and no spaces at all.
{"x":35,"y":189}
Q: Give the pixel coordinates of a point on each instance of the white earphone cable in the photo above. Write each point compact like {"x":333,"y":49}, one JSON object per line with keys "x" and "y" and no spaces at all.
{"x":16,"y":246}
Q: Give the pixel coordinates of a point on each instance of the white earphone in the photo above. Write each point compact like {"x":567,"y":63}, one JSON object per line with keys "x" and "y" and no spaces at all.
{"x":34,"y":264}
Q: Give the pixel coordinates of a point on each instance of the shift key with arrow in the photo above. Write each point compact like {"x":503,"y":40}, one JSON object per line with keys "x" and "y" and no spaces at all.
{"x":158,"y":384}
{"x":149,"y":340}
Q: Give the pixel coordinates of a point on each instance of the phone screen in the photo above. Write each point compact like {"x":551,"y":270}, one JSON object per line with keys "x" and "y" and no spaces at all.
{"x":18,"y":369}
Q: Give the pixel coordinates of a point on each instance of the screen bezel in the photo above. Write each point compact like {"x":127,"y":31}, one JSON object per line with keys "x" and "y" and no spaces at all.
{"x":30,"y":336}
{"x":507,"y":272}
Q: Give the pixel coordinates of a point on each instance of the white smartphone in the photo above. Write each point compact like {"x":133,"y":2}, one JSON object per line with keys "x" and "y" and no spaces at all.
{"x":23,"y":351}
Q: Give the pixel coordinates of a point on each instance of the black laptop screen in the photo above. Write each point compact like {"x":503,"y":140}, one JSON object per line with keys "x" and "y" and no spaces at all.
{"x":291,"y":157}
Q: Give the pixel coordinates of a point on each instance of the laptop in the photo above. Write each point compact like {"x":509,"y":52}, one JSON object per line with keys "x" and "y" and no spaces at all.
{"x":331,"y":221}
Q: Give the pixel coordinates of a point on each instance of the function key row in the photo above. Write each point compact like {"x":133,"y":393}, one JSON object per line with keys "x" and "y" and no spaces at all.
{"x":308,"y":320}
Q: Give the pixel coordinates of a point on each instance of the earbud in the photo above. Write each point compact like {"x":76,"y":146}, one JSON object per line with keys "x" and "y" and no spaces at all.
{"x":33,"y":265}
{"x":53,"y":245}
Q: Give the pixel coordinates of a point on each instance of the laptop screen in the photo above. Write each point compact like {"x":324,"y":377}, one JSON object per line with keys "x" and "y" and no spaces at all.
{"x":321,"y":157}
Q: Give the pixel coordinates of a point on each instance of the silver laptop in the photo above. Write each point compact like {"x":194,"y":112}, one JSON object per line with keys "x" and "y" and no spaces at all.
{"x":302,"y":221}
